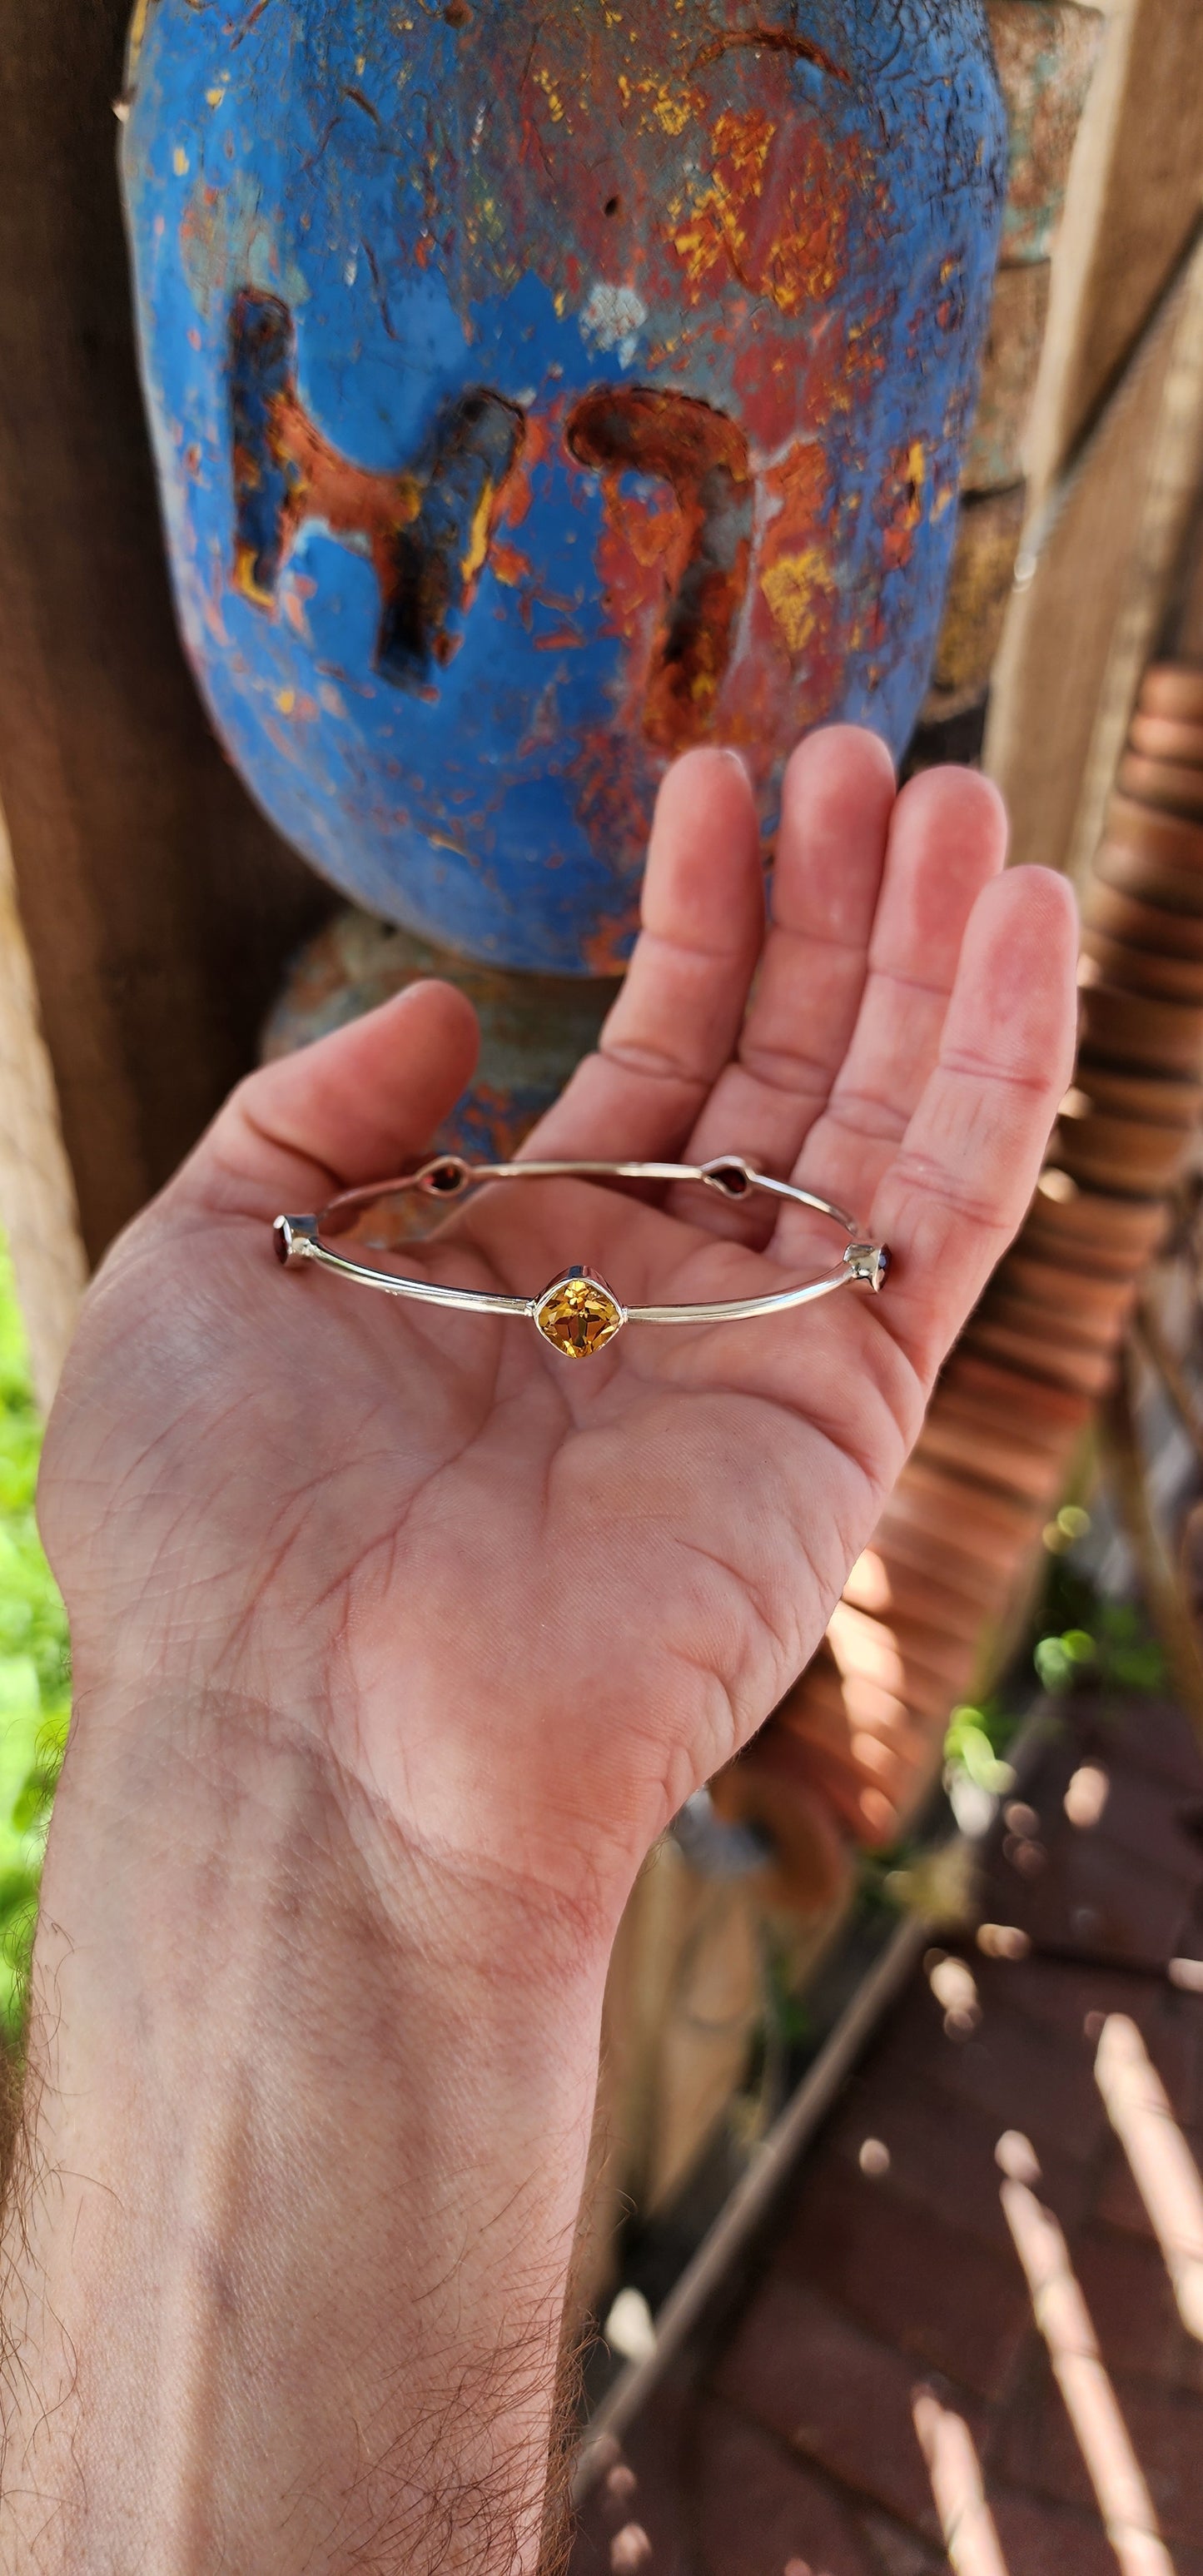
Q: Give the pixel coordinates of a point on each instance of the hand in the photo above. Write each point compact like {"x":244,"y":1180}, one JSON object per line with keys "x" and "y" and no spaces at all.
{"x":397,"y":1639}
{"x":532,"y":1603}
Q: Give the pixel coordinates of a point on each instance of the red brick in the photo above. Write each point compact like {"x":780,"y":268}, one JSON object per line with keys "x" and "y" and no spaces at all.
{"x":1127,"y":2290}
{"x":896,"y":2552}
{"x":943,"y":2161}
{"x":1156,"y":1738}
{"x":808,"y":2450}
{"x":1059,"y":1995}
{"x":1010,"y":2071}
{"x":1095,"y":1902}
{"x":751,"y":2506}
{"x":834,"y":2393}
{"x":1149,"y":1821}
{"x":1117,"y":2202}
{"x":1039,"y":2539}
{"x":1031,"y":2445}
{"x":1034,"y":2448}
{"x":940,"y":2297}
{"x":1167,"y":2435}
{"x":1142,"y":1817}
{"x":652,"y":2450}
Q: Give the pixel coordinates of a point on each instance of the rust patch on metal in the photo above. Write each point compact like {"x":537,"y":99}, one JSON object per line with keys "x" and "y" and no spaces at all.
{"x":703,"y":457}
{"x":771,"y":210}
{"x":771,"y":40}
{"x":427,"y":529}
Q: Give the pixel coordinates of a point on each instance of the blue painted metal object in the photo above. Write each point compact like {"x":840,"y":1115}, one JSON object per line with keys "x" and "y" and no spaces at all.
{"x":537,"y":392}
{"x":534,"y":1029}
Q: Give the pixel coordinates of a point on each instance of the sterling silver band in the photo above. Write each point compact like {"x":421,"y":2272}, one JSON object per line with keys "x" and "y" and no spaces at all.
{"x":578,"y":1314}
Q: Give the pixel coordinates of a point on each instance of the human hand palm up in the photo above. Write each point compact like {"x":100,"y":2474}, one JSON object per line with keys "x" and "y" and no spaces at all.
{"x":531,"y":1602}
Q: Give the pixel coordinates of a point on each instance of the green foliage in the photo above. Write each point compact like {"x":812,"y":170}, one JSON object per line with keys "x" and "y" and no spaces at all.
{"x":974,"y":1746}
{"x":1086,"y":1638}
{"x":34,"y":1667}
{"x":1062,"y":1661}
{"x":1081,"y":1638}
{"x":792,"y":2025}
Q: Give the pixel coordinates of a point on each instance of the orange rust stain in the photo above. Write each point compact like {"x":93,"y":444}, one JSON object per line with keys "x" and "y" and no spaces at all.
{"x":795,"y":572}
{"x":695,"y":554}
{"x":669,"y":105}
{"x":769,"y":40}
{"x":715,"y":233}
{"x":789,"y":670}
{"x":211,"y":611}
{"x":901,"y":504}
{"x":774,"y":213}
{"x":509,"y":563}
{"x":610,"y":796}
{"x":640,"y":557}
{"x":282,"y":740}
{"x":203,"y":237}
{"x":605,"y":951}
{"x":514,"y":497}
{"x":323,"y":484}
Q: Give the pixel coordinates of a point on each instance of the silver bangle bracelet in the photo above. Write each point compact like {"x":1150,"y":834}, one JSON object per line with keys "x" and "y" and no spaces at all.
{"x":578,"y":1314}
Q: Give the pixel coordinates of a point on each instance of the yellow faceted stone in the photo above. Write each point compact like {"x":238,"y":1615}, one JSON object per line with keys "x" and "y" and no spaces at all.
{"x":578,"y":1316}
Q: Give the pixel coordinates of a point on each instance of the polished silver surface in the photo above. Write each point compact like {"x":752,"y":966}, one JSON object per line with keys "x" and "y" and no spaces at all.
{"x":447,"y":1177}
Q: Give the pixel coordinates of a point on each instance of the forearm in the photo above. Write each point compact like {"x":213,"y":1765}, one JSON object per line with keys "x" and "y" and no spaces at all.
{"x":304,"y":2146}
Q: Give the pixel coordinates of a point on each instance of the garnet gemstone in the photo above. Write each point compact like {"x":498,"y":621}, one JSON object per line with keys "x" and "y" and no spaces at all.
{"x":578,"y":1316}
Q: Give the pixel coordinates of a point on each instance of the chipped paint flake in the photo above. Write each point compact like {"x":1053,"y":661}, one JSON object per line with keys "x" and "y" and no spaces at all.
{"x":792,"y":587}
{"x":552,"y":95}
{"x":612,"y":318}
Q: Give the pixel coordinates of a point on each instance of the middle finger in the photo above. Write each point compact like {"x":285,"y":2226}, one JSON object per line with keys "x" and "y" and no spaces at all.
{"x":835,"y":809}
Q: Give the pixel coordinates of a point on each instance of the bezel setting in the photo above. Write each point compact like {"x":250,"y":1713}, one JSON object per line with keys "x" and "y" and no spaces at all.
{"x":581,"y":1292}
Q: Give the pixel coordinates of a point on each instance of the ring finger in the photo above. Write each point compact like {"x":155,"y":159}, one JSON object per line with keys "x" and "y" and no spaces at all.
{"x":947,"y":840}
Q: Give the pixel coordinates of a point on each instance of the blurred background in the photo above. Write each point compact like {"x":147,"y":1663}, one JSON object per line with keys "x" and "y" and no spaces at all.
{"x":1000,"y":1950}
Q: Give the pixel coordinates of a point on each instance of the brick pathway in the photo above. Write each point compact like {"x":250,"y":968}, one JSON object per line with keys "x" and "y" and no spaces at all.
{"x":790,"y":2445}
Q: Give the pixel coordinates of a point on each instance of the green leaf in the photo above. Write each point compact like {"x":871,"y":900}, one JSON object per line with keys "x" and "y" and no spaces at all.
{"x":34,"y":1668}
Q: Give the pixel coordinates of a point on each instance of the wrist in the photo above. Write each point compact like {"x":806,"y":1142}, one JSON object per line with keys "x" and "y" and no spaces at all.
{"x":302,"y":2089}
{"x":186,"y":1762}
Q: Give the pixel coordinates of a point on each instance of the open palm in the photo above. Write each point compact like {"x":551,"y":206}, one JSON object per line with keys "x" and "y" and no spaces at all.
{"x":528,"y":1602}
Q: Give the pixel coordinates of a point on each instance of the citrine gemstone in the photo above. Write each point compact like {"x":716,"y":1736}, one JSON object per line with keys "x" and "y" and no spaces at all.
{"x":578,"y":1316}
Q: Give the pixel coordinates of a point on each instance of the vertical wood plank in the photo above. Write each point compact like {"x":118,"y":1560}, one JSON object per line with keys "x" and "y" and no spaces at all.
{"x":1076,"y":638}
{"x":1134,"y":194}
{"x":37,"y":1196}
{"x":156,"y":902}
{"x":1175,"y":465}
{"x":1076,"y":635}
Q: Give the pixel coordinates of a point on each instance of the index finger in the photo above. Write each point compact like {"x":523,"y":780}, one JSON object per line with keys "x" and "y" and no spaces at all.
{"x":676,"y":1019}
